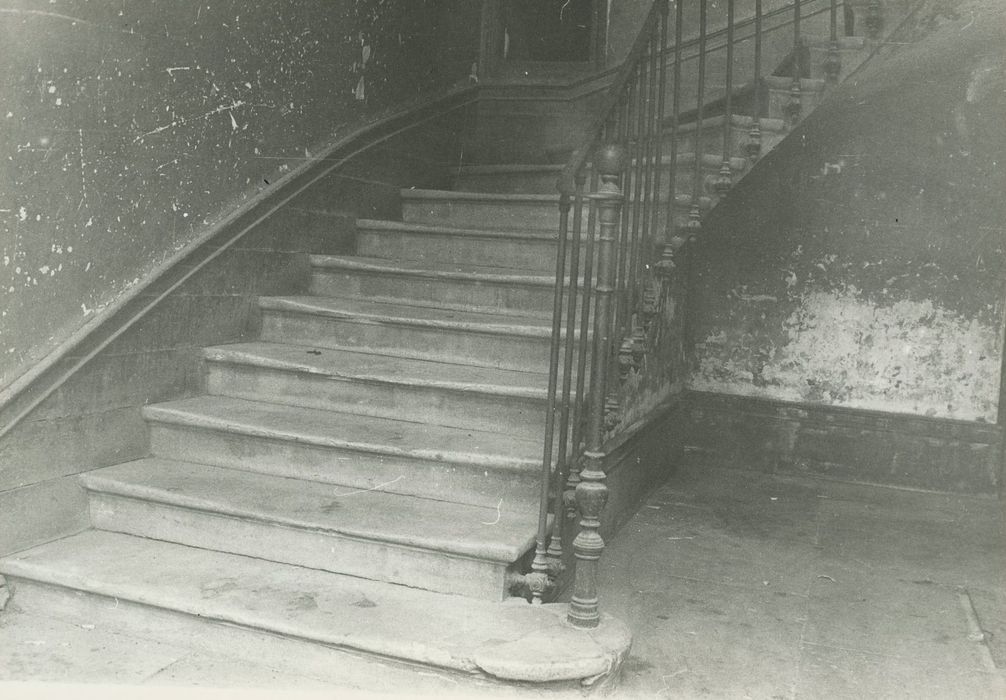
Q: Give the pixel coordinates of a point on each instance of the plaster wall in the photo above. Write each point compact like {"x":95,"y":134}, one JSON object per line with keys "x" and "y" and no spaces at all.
{"x":861,"y":263}
{"x":131,"y":129}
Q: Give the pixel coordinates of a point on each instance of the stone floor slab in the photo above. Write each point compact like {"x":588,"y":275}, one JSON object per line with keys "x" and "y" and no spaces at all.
{"x":827,"y":672}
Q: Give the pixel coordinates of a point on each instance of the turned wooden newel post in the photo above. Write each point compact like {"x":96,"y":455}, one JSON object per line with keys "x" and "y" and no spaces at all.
{"x":591,"y":492}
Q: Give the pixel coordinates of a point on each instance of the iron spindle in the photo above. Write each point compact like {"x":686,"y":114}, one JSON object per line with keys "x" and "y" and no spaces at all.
{"x":672,"y":186}
{"x":562,"y":466}
{"x":622,"y":248}
{"x":653,"y":112}
{"x":694,"y":215}
{"x":625,"y":282}
{"x":794,"y":107}
{"x":591,"y":491}
{"x":538,"y":579}
{"x":833,"y":61}
{"x":725,"y":181}
{"x":581,"y":362}
{"x":659,"y":127}
{"x":754,"y":135}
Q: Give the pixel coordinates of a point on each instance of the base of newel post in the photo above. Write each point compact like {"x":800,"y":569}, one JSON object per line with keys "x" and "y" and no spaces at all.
{"x":591,"y":497}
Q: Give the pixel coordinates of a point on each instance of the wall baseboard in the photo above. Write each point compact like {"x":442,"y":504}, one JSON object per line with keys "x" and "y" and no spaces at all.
{"x":742,"y":432}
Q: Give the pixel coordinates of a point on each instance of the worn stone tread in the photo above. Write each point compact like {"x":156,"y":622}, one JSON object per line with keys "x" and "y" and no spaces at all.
{"x":465,"y":231}
{"x":399,"y":313}
{"x":385,"y":369}
{"x":446,"y":271}
{"x":515,"y":641}
{"x":350,"y":431}
{"x":499,"y":535}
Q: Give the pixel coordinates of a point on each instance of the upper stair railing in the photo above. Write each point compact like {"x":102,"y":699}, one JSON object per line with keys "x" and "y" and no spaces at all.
{"x":619,"y":245}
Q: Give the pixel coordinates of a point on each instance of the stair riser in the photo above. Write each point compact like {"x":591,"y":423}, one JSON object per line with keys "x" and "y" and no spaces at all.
{"x":463,"y":409}
{"x":452,"y":345}
{"x":482,"y":295}
{"x":352,"y":469}
{"x":461,"y":213}
{"x":525,"y":255}
{"x":380,"y":561}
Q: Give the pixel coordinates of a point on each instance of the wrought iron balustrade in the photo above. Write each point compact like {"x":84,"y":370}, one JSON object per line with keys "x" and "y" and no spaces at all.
{"x":624,"y":232}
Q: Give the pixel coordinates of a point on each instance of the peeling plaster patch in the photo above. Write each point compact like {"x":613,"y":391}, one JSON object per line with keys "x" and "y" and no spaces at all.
{"x":842,"y":349}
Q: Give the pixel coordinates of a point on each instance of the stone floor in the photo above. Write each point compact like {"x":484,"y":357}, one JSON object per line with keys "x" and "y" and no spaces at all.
{"x":737,"y":585}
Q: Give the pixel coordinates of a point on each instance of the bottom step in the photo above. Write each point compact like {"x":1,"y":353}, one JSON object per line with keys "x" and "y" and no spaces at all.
{"x":99,"y":571}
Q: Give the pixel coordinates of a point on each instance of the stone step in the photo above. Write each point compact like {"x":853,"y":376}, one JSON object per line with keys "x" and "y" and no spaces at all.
{"x":434,"y":545}
{"x":455,"y":286}
{"x":526,"y":251}
{"x":530,"y":212}
{"x":358,"y":452}
{"x":462,"y":396}
{"x":181,"y":592}
{"x":484,"y":210}
{"x":421,"y":332}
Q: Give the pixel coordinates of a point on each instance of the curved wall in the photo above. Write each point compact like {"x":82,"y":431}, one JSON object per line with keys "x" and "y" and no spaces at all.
{"x":132,"y":128}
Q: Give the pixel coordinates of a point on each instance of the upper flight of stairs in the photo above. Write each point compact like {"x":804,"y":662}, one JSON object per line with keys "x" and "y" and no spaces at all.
{"x":364,"y":475}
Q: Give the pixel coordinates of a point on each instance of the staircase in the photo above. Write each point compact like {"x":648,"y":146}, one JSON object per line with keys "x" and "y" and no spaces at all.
{"x":365,"y":476}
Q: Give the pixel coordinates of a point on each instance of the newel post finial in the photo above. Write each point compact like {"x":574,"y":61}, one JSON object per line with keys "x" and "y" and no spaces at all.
{"x":591,"y":492}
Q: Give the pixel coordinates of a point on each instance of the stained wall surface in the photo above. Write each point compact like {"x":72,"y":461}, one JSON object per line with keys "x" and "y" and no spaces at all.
{"x":861,"y":264}
{"x":131,"y":128}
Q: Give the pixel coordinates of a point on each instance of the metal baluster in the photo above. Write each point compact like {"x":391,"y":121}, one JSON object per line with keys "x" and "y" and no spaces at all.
{"x":626,"y":285}
{"x":591,"y":492}
{"x":581,"y":362}
{"x":754,"y":136}
{"x":658,"y":132}
{"x":653,"y":114}
{"x":833,"y":61}
{"x":672,"y":190}
{"x":725,"y":180}
{"x":622,"y":247}
{"x":555,"y":543}
{"x":695,"y":215}
{"x":538,"y":579}
{"x":794,"y":107}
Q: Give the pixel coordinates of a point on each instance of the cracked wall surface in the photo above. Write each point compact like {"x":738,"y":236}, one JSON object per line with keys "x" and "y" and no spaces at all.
{"x":132,"y":128}
{"x":861,"y":264}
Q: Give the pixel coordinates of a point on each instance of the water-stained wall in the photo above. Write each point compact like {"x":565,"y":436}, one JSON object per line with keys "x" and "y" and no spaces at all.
{"x":861,"y":264}
{"x":131,"y":128}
